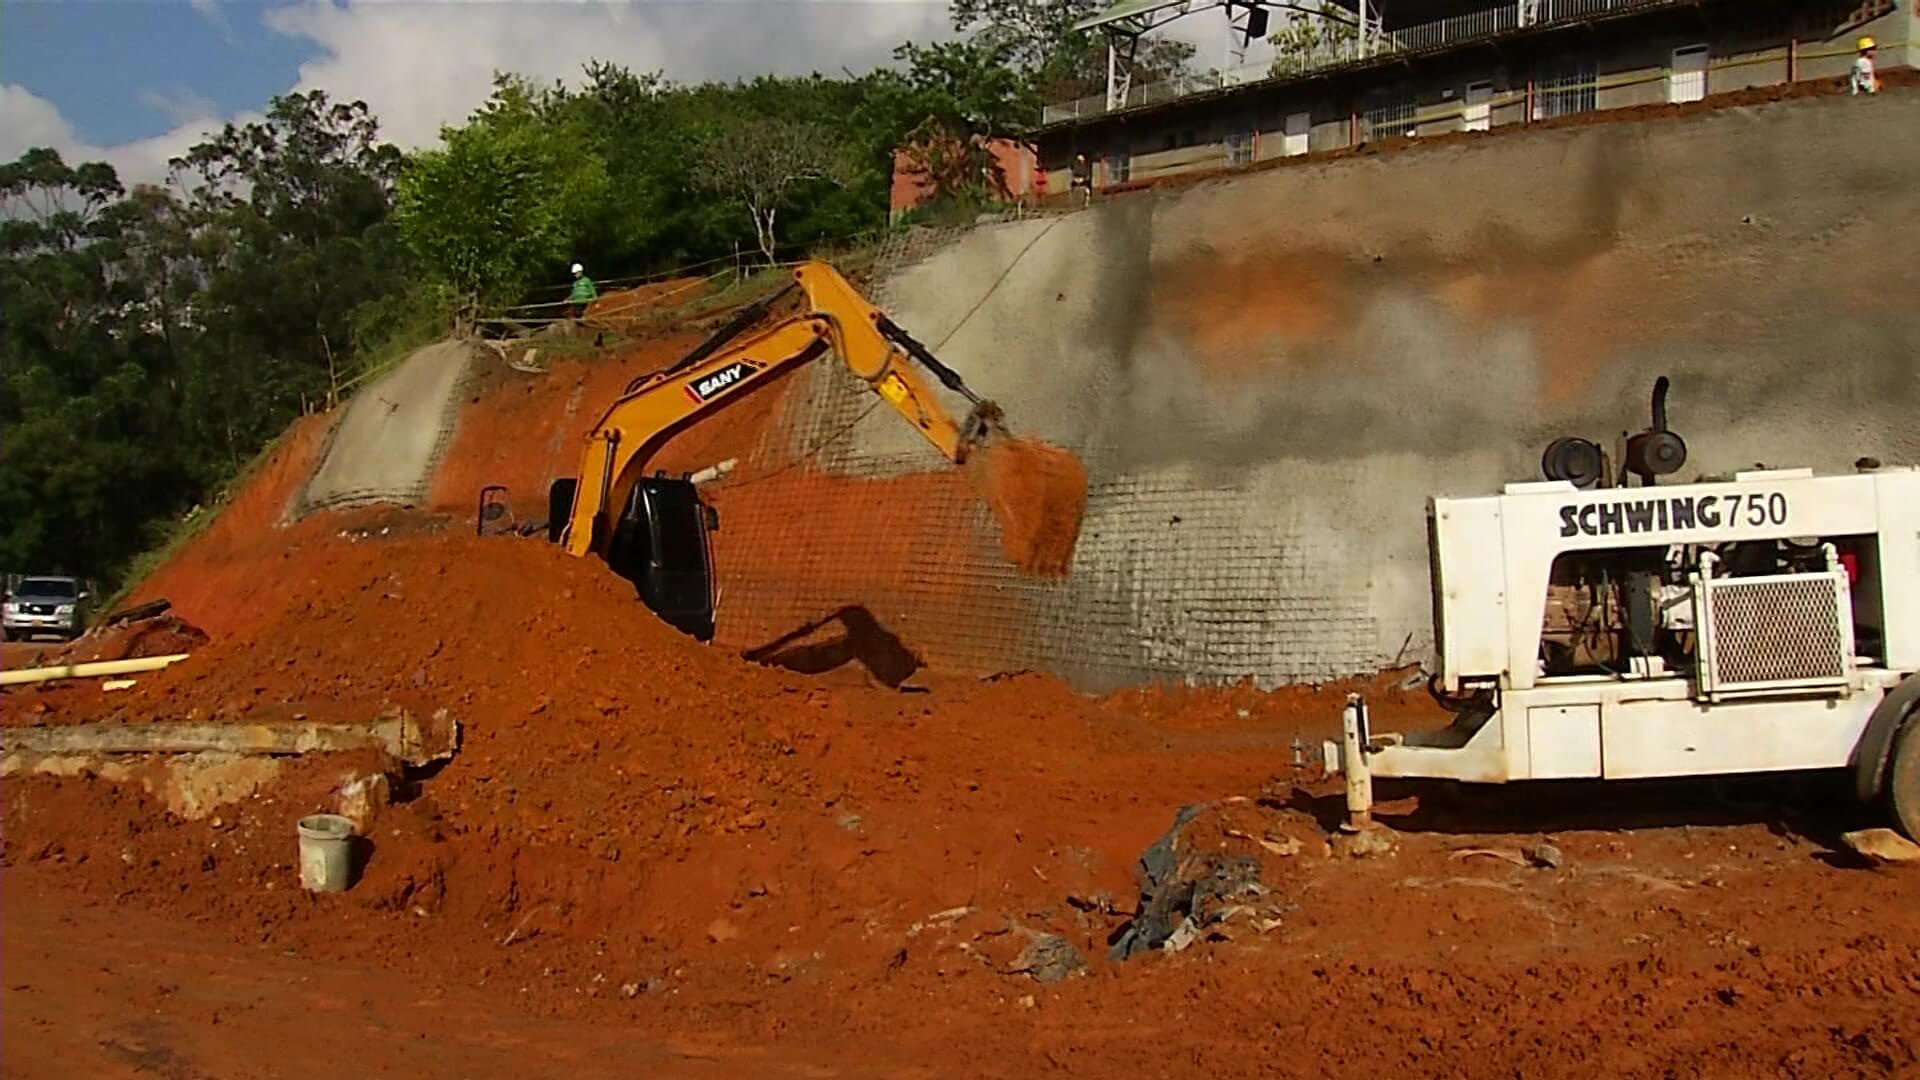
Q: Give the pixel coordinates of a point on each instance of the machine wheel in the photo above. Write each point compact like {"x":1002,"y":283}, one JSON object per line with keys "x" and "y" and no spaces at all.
{"x":1903,"y":778}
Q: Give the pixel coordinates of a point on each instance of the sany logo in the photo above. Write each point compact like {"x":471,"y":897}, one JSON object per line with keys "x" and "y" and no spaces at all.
{"x":707,"y":386}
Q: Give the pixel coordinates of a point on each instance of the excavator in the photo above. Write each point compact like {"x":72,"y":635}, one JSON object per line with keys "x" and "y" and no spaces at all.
{"x":653,"y":529}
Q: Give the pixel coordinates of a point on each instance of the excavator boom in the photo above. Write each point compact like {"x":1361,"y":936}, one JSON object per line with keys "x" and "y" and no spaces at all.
{"x":729,"y":367}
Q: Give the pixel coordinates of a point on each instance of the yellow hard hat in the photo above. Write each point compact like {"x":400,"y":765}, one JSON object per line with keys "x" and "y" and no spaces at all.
{"x":1866,"y":43}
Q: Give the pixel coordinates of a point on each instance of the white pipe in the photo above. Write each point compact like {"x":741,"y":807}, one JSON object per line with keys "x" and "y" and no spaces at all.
{"x":83,"y":671}
{"x":1354,"y":766}
{"x":714,"y":472}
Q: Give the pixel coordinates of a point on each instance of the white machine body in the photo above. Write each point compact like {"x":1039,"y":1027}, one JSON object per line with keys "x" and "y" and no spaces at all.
{"x":1683,"y":630}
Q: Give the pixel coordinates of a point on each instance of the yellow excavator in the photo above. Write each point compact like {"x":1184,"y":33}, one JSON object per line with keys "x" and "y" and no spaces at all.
{"x":653,"y":530}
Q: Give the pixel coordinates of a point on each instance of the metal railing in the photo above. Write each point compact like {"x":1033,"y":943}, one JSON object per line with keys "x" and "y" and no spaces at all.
{"x":1452,"y":31}
{"x":1422,"y":37}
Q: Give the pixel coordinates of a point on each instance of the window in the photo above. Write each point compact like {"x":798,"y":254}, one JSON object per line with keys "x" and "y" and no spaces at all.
{"x":52,"y":588}
{"x":1564,"y":87}
{"x":1240,"y":148}
{"x":1119,"y":167}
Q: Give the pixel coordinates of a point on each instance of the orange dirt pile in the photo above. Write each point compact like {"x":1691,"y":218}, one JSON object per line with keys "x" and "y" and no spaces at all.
{"x":640,"y":834}
{"x":1038,"y":494}
{"x":626,"y":307}
{"x":217,"y":579}
{"x":615,"y":773}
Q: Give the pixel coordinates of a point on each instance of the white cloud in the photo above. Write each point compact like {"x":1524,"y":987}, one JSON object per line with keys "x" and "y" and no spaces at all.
{"x":215,"y":14}
{"x":421,"y":65}
{"x":28,"y":120}
{"x":180,"y":105}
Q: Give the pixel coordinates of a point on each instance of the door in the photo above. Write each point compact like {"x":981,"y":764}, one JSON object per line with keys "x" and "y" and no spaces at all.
{"x":1478,"y":115}
{"x":1687,"y":81}
{"x":1299,"y":129}
{"x":1564,"y":741}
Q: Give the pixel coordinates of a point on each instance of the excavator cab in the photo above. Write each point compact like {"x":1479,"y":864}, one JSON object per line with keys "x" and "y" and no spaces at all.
{"x":661,"y":544}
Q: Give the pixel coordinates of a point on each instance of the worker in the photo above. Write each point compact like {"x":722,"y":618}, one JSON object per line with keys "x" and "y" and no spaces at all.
{"x":1864,"y":80}
{"x":583,"y":293}
{"x":1082,"y":180}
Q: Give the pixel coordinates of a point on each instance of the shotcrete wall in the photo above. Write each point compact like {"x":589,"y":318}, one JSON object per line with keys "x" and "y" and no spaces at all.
{"x":1268,"y":376}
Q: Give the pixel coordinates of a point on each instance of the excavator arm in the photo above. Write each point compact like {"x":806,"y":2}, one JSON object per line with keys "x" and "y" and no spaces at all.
{"x":729,"y":367}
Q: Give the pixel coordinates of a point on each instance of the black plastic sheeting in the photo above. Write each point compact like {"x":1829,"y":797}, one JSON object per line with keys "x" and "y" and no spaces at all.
{"x":1176,"y":889}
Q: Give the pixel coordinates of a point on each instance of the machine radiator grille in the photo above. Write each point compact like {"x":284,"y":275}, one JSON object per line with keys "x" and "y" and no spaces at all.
{"x":1778,"y":632}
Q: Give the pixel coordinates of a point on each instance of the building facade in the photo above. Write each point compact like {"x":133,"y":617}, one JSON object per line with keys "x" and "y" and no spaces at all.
{"x":1437,"y":67}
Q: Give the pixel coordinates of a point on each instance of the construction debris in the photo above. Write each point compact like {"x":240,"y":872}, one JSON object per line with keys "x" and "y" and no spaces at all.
{"x":86,"y":671}
{"x":139,"y":611}
{"x":395,"y":731}
{"x":1882,"y":847}
{"x":1049,"y":958}
{"x":1211,"y":867}
{"x":1544,"y":855}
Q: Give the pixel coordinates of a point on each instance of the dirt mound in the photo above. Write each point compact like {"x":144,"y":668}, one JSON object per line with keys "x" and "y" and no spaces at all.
{"x":216,"y":580}
{"x":625,"y":307}
{"x":1038,"y":494}
{"x":614,"y":771}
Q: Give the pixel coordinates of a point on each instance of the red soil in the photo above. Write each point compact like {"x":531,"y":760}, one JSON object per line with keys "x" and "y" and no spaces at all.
{"x":217,"y":580}
{"x":606,"y":756}
{"x":628,"y":307}
{"x":770,"y":862}
{"x":1038,"y":494}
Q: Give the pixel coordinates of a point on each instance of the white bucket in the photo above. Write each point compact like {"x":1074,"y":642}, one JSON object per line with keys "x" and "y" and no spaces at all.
{"x":326,"y":852}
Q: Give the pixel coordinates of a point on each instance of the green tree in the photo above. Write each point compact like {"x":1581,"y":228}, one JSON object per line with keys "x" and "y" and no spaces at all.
{"x":507,"y":197}
{"x":1307,"y":40}
{"x":153,"y":343}
{"x":1039,"y":41}
{"x":763,"y":163}
{"x":88,"y":419}
{"x":293,"y":216}
{"x":953,"y":100}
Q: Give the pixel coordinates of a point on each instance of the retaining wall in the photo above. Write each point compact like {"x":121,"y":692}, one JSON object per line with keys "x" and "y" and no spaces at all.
{"x":1269,"y":375}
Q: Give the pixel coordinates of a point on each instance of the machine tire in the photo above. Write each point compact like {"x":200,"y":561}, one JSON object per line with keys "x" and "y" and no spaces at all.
{"x":1903,"y":779}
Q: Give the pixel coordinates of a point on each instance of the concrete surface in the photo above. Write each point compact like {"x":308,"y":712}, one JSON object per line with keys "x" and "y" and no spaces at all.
{"x":393,"y":432}
{"x":1268,"y":376}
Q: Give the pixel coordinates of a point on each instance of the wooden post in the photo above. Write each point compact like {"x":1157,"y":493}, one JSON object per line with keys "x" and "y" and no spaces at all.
{"x":1528,"y":118}
{"x":1793,"y":59}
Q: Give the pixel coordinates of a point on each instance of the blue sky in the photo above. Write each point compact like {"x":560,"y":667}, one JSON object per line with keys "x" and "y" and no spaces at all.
{"x":121,"y":70}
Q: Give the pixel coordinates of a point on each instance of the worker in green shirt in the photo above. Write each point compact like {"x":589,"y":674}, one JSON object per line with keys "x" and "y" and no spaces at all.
{"x":583,"y":293}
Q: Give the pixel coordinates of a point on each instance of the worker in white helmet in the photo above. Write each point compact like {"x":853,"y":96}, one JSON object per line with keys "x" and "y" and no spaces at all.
{"x":1864,"y":80}
{"x":583,"y":294}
